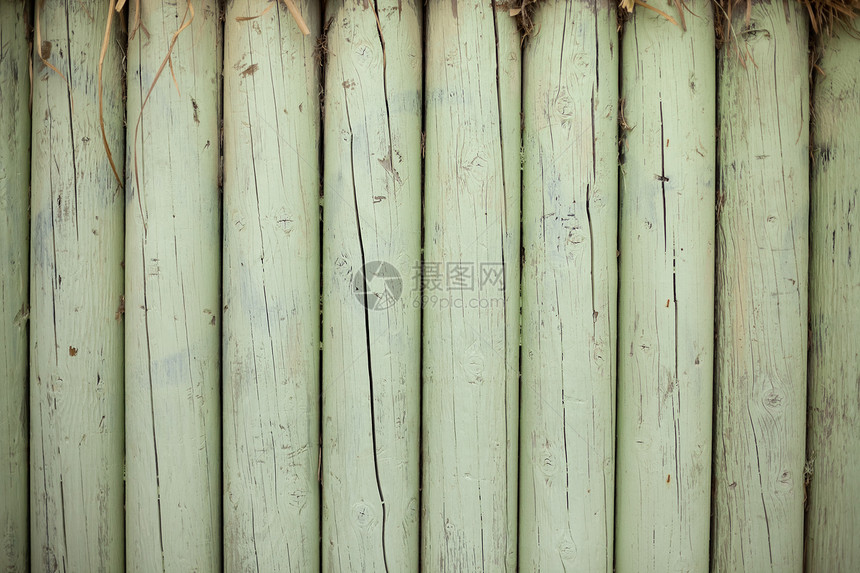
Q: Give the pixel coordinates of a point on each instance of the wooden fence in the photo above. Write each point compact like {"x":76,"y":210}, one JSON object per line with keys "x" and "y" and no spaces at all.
{"x":394,"y":285}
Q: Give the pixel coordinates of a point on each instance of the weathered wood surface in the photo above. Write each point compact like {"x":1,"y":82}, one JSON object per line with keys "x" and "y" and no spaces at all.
{"x":570,"y":213}
{"x":832,"y":518}
{"x":76,"y":350}
{"x":271,"y":289}
{"x":173,"y":307}
{"x":471,"y":331}
{"x":762,"y":263}
{"x":371,"y":318}
{"x":14,"y":281}
{"x":666,"y":292}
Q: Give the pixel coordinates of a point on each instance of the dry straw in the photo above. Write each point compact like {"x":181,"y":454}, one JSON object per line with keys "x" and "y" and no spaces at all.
{"x":44,"y":53}
{"x":823,"y":15}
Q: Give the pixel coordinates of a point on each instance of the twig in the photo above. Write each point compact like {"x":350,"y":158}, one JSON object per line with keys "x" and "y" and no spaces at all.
{"x":297,"y":16}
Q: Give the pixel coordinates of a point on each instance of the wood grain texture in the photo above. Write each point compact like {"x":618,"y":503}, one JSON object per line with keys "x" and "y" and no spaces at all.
{"x":371,"y":320}
{"x":832,"y":518}
{"x":471,"y":332}
{"x":173,"y":280}
{"x":271,"y":289}
{"x":666,"y":292}
{"x":570,"y":214}
{"x":762,"y":270}
{"x":76,"y":343}
{"x":14,"y":281}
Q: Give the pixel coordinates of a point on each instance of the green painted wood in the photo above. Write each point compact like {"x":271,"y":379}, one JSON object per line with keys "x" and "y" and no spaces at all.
{"x":666,"y":292}
{"x":762,"y":264}
{"x":570,"y":214}
{"x":271,"y":289}
{"x":371,"y":319}
{"x":76,"y":329}
{"x":173,"y":307}
{"x":832,"y":520}
{"x":14,"y":281}
{"x":471,"y":331}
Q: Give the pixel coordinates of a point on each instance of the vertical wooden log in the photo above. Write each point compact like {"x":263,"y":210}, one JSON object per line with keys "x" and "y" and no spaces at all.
{"x":173,"y":307}
{"x":76,"y":349}
{"x":666,"y":298}
{"x":14,"y":280}
{"x":762,"y":263}
{"x":471,"y":281}
{"x":76,"y":353}
{"x":271,"y":289}
{"x":371,"y":324}
{"x":832,"y":519}
{"x":570,"y":213}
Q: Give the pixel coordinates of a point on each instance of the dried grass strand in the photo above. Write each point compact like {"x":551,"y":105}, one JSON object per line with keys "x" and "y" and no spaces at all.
{"x":522,"y":10}
{"x":102,"y":54}
{"x":86,"y":11}
{"x":680,"y":6}
{"x":825,"y":14}
{"x":182,"y":26}
{"x":247,"y":18}
{"x":657,"y":10}
{"x":136,"y":24}
{"x":293,"y":10}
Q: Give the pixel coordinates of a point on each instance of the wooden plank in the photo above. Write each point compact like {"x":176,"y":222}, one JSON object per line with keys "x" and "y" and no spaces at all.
{"x":762,"y":263}
{"x":371,"y":321}
{"x":570,"y":214}
{"x":666,"y":292}
{"x":173,"y":307}
{"x":271,"y":289}
{"x":833,"y":522}
{"x":14,"y":281}
{"x":76,"y":352}
{"x":471,"y":331}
